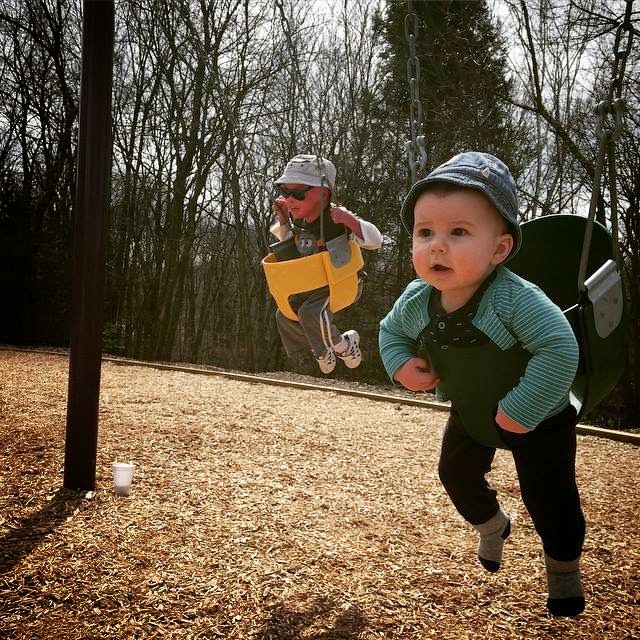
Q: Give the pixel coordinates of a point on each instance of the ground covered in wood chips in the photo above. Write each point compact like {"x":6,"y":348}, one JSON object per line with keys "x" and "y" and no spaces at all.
{"x":259,"y":512}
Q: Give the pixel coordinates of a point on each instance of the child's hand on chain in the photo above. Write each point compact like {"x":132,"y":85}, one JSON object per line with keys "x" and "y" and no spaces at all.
{"x":281,"y":210}
{"x":416,"y":375}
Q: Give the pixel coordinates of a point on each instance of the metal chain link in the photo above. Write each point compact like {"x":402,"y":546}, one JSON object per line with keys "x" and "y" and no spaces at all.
{"x":621,"y":55}
{"x":608,"y":130}
{"x":416,"y":148}
{"x":323,"y":178}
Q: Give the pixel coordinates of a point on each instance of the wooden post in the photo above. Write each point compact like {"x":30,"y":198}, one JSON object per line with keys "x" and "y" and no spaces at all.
{"x":93,"y":182}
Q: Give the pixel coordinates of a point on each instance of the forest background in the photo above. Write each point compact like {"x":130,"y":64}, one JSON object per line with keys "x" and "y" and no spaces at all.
{"x":210,"y":100}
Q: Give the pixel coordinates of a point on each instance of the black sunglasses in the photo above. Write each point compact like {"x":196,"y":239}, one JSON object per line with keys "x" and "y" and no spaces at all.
{"x":297,"y":194}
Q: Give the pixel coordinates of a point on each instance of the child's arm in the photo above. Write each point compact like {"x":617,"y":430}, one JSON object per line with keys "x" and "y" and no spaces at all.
{"x":541,"y":328}
{"x":397,"y":340}
{"x":366,"y":233}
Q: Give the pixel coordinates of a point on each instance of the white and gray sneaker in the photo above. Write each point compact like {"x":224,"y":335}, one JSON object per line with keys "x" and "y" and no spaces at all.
{"x":327,"y":362}
{"x":352,"y":356}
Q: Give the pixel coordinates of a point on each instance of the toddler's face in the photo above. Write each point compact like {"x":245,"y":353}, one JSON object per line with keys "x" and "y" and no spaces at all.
{"x":458,"y":240}
{"x":309,"y":208}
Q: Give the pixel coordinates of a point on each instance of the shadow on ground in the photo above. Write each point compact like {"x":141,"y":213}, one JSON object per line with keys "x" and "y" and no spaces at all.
{"x":26,"y":534}
{"x":325,"y":615}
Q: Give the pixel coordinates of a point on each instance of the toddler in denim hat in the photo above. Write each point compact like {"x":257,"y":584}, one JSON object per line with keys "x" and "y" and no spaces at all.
{"x":504,"y":355}
{"x":305,"y":192}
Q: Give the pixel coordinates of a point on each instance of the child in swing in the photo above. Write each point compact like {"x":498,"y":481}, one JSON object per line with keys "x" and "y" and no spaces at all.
{"x":305,"y":189}
{"x":504,"y":355}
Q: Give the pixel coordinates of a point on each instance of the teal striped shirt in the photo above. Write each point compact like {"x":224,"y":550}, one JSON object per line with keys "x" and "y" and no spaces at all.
{"x":512,"y":310}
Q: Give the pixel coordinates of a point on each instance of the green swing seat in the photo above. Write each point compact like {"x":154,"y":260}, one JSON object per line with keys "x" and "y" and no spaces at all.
{"x":550,"y":257}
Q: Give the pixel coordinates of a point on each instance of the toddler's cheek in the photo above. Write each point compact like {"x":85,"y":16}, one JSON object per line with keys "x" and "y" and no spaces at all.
{"x":420,"y":265}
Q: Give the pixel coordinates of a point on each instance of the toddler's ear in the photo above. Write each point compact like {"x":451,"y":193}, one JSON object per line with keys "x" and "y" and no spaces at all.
{"x":503,"y":248}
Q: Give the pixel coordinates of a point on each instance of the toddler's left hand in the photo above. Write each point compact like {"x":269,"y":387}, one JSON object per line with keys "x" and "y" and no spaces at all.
{"x":341,"y":215}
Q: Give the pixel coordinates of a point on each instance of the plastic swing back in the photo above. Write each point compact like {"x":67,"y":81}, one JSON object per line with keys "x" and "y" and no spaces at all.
{"x":550,"y":257}
{"x":289,"y":277}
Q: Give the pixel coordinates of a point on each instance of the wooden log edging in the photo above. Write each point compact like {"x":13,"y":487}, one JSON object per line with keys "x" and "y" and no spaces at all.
{"x":581,"y":429}
{"x":586,"y":430}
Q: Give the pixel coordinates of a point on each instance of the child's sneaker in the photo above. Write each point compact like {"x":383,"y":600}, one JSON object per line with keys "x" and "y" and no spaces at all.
{"x":352,"y":356}
{"x":327,"y":362}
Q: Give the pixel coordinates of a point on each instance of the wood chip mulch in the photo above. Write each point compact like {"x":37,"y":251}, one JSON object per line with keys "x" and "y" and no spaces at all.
{"x":264,"y":513}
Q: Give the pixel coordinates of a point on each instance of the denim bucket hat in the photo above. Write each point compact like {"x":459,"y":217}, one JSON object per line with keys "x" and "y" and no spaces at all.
{"x":473,"y":170}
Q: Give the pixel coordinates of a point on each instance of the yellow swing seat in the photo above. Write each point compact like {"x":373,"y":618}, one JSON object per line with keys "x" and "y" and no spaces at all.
{"x":288,"y":277}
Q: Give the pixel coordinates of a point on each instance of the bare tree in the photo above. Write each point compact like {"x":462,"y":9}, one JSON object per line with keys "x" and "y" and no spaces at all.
{"x":186,"y":93}
{"x":39,"y":66}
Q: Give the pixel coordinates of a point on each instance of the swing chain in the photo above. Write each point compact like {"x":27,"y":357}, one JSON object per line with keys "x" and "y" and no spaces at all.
{"x":323,"y":204}
{"x":416,"y":149}
{"x":621,"y":55}
{"x":611,"y":109}
{"x":614,"y":105}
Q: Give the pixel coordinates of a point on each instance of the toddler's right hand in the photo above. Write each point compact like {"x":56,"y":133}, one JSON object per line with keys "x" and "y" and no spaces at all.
{"x":281,"y":210}
{"x":416,"y":375}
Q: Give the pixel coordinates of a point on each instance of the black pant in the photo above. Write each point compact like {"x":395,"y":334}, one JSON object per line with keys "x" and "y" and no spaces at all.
{"x":545,"y":463}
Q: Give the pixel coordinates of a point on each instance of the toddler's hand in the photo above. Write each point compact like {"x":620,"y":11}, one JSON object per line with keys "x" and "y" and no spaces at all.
{"x":281,"y":210}
{"x":341,"y":215}
{"x":416,"y":375}
{"x":506,"y":423}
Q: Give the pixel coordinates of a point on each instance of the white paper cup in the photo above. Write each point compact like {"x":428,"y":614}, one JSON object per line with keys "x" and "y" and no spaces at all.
{"x":122,"y":477}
